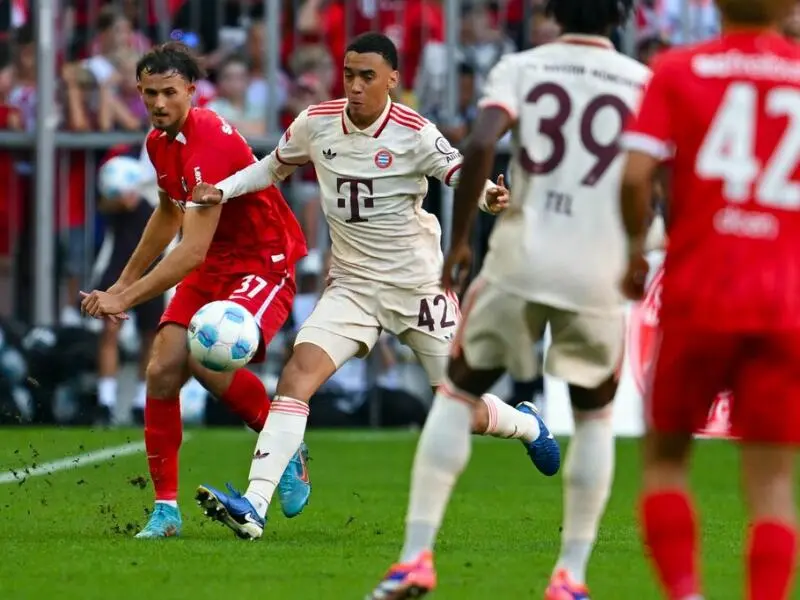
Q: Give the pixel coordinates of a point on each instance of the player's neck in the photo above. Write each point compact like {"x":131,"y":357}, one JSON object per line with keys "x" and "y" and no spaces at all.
{"x":733,"y":28}
{"x":365,"y":122}
{"x":173,"y":131}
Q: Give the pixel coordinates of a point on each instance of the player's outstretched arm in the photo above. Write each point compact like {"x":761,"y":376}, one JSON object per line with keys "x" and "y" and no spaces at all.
{"x":291,"y":152}
{"x":199,"y":225}
{"x":161,"y":229}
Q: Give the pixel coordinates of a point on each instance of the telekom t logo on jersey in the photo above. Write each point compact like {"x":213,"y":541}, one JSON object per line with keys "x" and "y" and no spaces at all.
{"x":354,"y":197}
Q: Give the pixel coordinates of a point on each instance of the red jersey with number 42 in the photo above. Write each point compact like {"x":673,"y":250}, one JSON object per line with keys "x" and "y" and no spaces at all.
{"x":256,"y":232}
{"x":727,"y":113}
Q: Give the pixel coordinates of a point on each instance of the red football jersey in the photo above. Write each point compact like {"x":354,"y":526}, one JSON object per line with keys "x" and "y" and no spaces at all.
{"x":254,"y":230}
{"x":727,"y":113}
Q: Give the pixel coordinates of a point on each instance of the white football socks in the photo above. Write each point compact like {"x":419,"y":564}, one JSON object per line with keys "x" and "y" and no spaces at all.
{"x":140,"y":399}
{"x":277,"y":443}
{"x":107,"y":391}
{"x":588,"y":476}
{"x":507,"y":422}
{"x":442,"y":453}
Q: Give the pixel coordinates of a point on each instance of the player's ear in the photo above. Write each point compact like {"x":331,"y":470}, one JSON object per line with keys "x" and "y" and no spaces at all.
{"x":394,"y":79}
{"x":191,"y":88}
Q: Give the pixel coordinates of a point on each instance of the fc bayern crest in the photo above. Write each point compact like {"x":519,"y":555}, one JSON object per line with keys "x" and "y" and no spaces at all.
{"x":383,"y":159}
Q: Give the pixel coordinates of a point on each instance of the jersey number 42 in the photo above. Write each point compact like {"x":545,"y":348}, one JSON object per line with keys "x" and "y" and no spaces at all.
{"x":729,"y":152}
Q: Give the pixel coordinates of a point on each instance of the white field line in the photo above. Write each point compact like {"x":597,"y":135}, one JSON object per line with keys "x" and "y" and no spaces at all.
{"x":73,"y":462}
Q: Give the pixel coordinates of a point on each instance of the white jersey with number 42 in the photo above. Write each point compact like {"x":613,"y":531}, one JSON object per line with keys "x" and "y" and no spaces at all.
{"x":561,"y":242}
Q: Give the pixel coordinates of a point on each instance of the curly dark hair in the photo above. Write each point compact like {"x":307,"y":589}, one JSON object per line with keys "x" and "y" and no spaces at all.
{"x":172,"y":57}
{"x":589,"y":17}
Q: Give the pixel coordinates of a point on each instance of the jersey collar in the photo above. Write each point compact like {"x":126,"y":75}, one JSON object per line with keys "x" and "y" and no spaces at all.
{"x":373,"y":130}
{"x":577,"y":39}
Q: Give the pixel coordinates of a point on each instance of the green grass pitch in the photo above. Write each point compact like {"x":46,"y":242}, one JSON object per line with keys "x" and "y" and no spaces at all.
{"x":69,"y":534}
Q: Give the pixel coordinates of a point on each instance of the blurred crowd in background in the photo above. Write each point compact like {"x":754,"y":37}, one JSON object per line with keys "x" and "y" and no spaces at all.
{"x":100,"y":41}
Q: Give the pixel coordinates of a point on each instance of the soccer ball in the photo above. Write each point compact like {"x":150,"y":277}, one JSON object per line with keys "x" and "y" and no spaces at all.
{"x":223,"y":336}
{"x":118,"y":176}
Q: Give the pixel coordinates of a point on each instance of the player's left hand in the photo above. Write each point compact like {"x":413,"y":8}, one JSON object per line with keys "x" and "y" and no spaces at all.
{"x":102,"y":305}
{"x":633,"y":284}
{"x":497,"y":198}
{"x":207,"y":194}
{"x":456,"y":267}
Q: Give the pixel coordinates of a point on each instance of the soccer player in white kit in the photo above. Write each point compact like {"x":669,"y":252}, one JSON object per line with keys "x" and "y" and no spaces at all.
{"x":556,"y":256}
{"x":371,"y":156}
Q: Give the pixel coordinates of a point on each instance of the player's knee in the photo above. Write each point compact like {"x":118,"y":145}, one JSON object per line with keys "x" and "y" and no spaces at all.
{"x":163,"y":377}
{"x":307,"y":369}
{"x":593,"y":399}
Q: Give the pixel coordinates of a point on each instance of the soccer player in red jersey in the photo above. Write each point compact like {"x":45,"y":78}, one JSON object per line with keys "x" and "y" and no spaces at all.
{"x":244,"y":251}
{"x":727,"y":113}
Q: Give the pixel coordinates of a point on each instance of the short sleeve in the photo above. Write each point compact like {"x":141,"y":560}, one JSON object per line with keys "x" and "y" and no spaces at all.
{"x":293,"y":149}
{"x":438,"y":158}
{"x":500,"y":90}
{"x":651,"y":130}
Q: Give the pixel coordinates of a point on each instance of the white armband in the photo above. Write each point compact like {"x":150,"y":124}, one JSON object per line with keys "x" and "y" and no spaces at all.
{"x":482,"y":204}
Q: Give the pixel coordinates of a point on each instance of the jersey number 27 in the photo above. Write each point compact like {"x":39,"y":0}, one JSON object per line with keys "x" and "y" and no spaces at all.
{"x":728,"y":152}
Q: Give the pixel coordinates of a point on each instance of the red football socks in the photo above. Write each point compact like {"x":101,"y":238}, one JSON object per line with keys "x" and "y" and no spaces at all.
{"x":163,"y":433}
{"x":247,"y":398}
{"x":770,"y":561}
{"x":670,"y":533}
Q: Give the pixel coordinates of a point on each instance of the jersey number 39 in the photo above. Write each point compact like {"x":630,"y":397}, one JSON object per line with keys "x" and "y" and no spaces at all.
{"x":553,"y":129}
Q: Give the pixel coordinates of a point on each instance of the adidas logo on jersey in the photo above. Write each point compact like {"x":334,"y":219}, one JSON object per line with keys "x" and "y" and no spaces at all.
{"x":329,"y":154}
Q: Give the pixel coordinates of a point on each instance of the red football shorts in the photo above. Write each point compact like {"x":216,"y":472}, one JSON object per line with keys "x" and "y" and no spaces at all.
{"x":267,"y":296}
{"x":762,"y":370}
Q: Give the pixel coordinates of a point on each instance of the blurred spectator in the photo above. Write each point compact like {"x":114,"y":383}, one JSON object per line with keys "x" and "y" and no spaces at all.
{"x":457,"y":129}
{"x":126,"y":217}
{"x":23,"y":93}
{"x":409,"y":23}
{"x":314,"y":73}
{"x":684,"y":23}
{"x":481,"y":45}
{"x":257,"y":88}
{"x":9,"y":205}
{"x":121,"y":106}
{"x":115,"y":32}
{"x":232,"y":101}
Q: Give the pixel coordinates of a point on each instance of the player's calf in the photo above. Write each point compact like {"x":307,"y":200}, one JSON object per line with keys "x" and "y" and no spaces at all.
{"x":308,"y":368}
{"x":768,"y":475}
{"x":167,"y":371}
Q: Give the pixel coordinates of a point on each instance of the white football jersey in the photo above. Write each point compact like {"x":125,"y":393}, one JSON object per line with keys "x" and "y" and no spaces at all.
{"x":372,"y":183}
{"x":561,"y":241}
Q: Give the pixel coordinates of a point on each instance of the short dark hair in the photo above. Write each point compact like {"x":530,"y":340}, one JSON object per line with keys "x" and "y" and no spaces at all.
{"x":233,"y":59}
{"x":591,"y":17}
{"x":107,"y":17}
{"x":171,"y":57}
{"x":376,"y":43}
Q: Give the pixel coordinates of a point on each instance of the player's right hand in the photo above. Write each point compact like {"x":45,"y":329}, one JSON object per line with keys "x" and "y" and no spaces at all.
{"x":456,"y":267}
{"x":633,"y":283}
{"x":205,"y":193}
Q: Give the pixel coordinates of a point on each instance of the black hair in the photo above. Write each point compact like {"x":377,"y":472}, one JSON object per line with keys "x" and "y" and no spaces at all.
{"x":25,"y":34}
{"x":464,"y":68}
{"x":168,"y":58}
{"x":375,"y":43}
{"x":233,"y":59}
{"x":107,"y":17}
{"x":589,"y":17}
